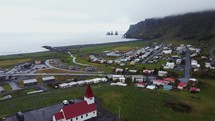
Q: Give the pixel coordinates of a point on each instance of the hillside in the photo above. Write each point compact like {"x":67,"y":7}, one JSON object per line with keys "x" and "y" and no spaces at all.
{"x":199,"y":27}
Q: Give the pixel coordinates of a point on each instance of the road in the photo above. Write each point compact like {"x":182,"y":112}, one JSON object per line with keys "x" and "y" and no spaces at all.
{"x":212,"y":54}
{"x":74,"y":60}
{"x":187,"y":67}
{"x":154,"y":54}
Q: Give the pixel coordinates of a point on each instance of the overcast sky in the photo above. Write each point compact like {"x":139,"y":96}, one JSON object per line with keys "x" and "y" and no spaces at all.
{"x":88,"y":15}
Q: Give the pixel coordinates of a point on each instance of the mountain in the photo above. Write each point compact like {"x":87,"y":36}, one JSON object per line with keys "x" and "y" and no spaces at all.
{"x":199,"y":26}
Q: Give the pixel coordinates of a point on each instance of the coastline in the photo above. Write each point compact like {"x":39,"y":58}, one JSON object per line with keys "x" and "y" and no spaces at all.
{"x":74,"y":47}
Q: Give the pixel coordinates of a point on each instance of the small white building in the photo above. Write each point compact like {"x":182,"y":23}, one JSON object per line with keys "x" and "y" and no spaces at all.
{"x":162,"y":73}
{"x":72,"y":84}
{"x":167,"y":51}
{"x":118,"y":84}
{"x":50,"y":78}
{"x":195,"y":64}
{"x":64,"y":85}
{"x":152,"y":87}
{"x":30,"y":81}
{"x":119,"y":70}
{"x":178,"y":61}
{"x":169,"y":65}
{"x":137,"y":78}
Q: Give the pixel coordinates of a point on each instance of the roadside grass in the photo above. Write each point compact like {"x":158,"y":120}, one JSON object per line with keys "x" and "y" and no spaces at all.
{"x":135,"y":104}
{"x":52,"y":71}
{"x":7,"y":63}
{"x":7,"y":87}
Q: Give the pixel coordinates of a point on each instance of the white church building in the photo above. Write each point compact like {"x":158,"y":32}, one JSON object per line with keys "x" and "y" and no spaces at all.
{"x":79,"y":111}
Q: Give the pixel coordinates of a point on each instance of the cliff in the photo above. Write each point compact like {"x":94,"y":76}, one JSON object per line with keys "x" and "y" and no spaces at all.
{"x":198,"y":26}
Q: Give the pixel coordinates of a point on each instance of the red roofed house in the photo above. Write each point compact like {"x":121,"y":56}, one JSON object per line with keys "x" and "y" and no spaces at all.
{"x":181,"y":85}
{"x":194,"y":89}
{"x":169,"y":80}
{"x":140,"y":84}
{"x":79,"y":111}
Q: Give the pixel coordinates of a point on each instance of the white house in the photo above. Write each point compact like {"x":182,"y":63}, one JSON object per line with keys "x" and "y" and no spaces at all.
{"x":64,"y":85}
{"x":79,"y":111}
{"x":50,"y":78}
{"x":119,"y":70}
{"x":137,"y":78}
{"x":30,"y":81}
{"x":167,"y":51}
{"x":152,"y":87}
{"x":162,"y":73}
{"x":118,"y":84}
{"x":169,"y":65}
{"x":195,"y":64}
{"x":140,"y":84}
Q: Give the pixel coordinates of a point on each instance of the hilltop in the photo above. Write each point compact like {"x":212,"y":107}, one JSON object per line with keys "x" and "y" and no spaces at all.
{"x":196,"y":27}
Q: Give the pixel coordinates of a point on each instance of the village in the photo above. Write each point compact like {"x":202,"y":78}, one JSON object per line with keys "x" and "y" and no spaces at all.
{"x":128,"y":68}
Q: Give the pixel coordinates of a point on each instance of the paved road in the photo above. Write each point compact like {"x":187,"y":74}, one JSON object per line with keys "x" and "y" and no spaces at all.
{"x":74,"y":60}
{"x":187,"y":67}
{"x":154,"y":54}
{"x":212,"y":53}
{"x":13,"y":85}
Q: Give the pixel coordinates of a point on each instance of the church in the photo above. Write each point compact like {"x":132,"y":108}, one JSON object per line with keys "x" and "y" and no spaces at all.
{"x":79,"y":111}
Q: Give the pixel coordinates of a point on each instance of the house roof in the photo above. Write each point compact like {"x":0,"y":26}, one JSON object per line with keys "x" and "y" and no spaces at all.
{"x":169,"y":79}
{"x":141,"y":83}
{"x":89,"y":92}
{"x":74,"y":110}
{"x":194,"y":89}
{"x":58,"y":116}
{"x":182,"y":84}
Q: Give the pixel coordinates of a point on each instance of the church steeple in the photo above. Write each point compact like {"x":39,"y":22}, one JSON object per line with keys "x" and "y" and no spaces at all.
{"x":89,"y":97}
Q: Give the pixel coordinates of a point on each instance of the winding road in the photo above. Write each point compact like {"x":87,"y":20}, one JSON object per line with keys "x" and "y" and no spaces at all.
{"x":74,"y":60}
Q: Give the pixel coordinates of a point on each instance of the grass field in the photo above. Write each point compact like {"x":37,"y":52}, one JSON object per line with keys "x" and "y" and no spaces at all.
{"x":136,"y":104}
{"x":6,"y":87}
{"x":6,"y":63}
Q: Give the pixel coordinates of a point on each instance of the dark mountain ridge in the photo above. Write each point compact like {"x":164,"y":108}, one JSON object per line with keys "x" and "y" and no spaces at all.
{"x":199,"y":26}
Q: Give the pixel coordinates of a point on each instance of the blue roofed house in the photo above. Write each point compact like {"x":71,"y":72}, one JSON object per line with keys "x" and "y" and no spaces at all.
{"x":167,"y":87}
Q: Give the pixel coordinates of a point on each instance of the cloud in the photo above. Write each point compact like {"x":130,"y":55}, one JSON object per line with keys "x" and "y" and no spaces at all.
{"x":68,"y":15}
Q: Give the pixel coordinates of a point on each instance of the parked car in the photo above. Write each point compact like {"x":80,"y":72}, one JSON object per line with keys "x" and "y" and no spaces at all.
{"x":65,"y":102}
{"x":20,"y":116}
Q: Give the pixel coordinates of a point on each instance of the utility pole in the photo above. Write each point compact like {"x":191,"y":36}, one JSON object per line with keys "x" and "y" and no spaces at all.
{"x":119,"y":112}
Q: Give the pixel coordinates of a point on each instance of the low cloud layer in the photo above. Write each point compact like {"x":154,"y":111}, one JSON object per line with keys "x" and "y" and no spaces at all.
{"x":88,"y":15}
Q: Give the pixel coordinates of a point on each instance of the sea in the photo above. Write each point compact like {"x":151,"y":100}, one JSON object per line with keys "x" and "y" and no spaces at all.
{"x":17,"y":43}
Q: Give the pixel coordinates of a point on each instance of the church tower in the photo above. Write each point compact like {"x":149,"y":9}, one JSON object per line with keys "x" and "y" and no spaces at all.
{"x":89,"y":97}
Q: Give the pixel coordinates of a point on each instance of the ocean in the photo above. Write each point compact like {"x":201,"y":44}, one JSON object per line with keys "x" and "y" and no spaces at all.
{"x":16,"y":43}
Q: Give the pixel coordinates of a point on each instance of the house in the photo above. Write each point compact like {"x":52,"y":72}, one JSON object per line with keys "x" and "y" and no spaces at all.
{"x":37,"y":62}
{"x":121,"y":78}
{"x":118,"y":84}
{"x":169,"y":65}
{"x":109,"y":61}
{"x":137,"y":78}
{"x":80,"y":83}
{"x":167,"y":87}
{"x":148,"y":71}
{"x":63,"y":85}
{"x":181,"y":85}
{"x":193,"y":79}
{"x":167,"y":51}
{"x":119,"y":70}
{"x":140,"y":84}
{"x":162,"y":73}
{"x":80,"y":111}
{"x":170,"y":80}
{"x":72,"y":84}
{"x":132,"y":71}
{"x":178,"y":61}
{"x":152,"y":87}
{"x":195,"y":64}
{"x":194,"y":89}
{"x":30,"y":82}
{"x":47,"y":79}
{"x":1,"y":89}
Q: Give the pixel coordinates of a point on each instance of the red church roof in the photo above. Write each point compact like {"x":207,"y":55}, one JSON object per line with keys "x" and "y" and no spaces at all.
{"x":78,"y":109}
{"x":89,"y":92}
{"x":58,"y":116}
